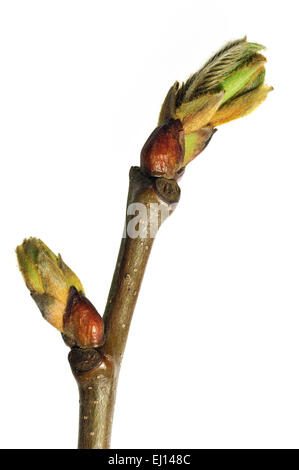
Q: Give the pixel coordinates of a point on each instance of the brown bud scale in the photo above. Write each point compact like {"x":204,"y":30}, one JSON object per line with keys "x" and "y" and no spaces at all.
{"x":163,"y":152}
{"x":82,"y":323}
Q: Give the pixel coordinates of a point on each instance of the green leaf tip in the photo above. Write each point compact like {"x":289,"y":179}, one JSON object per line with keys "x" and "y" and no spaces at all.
{"x":230,"y":85}
{"x":228,"y":59}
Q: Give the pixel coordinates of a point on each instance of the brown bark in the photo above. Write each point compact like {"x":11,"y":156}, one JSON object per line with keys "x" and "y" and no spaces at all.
{"x":97,"y":370}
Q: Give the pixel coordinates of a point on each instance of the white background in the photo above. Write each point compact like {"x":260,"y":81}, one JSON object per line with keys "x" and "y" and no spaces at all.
{"x":212,"y":358}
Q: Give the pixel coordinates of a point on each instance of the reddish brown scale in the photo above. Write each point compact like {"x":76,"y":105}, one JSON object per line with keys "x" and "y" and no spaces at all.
{"x":82,"y":323}
{"x":163,"y":152}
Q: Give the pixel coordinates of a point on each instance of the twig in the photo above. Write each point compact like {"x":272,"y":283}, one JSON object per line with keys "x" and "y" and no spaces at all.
{"x":97,"y":370}
{"x":229,"y":86}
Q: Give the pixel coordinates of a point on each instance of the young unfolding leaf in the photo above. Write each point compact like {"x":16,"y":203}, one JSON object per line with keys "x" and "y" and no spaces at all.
{"x":229,"y":86}
{"x":240,"y":106}
{"x":197,"y":113}
{"x":227,"y":60}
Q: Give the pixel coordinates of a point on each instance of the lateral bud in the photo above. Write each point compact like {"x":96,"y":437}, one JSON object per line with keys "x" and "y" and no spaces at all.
{"x":82,"y":324}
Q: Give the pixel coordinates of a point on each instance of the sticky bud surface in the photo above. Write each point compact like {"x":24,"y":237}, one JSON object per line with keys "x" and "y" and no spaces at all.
{"x":163,"y":152}
{"x":82,"y":323}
